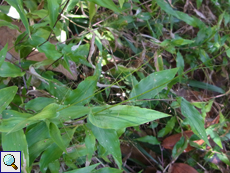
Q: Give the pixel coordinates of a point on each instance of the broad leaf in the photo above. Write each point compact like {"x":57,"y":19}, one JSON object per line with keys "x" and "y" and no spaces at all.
{"x":56,"y":136}
{"x":109,"y":140}
{"x":16,"y":141}
{"x":84,"y":91}
{"x":39,"y":103}
{"x":9,"y":70}
{"x":7,"y":95}
{"x":150,"y":86}
{"x":195,"y":119}
{"x":48,"y":156}
{"x":47,"y":113}
{"x":122,"y":116}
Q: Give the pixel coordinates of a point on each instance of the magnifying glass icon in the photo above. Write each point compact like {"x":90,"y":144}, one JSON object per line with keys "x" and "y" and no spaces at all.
{"x":9,"y":160}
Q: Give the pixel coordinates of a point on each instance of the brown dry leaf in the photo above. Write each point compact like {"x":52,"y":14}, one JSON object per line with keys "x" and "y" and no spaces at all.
{"x":170,"y":141}
{"x":181,"y":168}
{"x":9,"y":36}
{"x":209,"y":122}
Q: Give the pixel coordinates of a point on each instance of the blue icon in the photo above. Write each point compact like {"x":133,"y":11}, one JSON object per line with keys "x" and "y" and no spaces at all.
{"x":9,"y":160}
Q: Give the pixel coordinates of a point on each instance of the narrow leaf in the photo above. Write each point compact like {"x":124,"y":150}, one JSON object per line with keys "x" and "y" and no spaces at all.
{"x":84,"y":170}
{"x":3,"y":53}
{"x":18,"y":5}
{"x":107,"y":4}
{"x":56,"y":136}
{"x":53,"y":8}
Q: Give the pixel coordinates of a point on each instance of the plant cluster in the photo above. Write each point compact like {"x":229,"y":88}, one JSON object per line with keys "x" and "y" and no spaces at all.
{"x":115,"y":85}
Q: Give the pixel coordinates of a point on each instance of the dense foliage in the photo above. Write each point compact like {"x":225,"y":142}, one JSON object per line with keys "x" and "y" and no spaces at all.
{"x":115,"y":85}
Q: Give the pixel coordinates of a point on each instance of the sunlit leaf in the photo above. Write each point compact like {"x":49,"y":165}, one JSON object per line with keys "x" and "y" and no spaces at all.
{"x":122,"y":116}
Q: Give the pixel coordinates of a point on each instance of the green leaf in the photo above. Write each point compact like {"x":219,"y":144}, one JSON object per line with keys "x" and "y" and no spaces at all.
{"x":180,"y":15}
{"x":180,"y":42}
{"x":214,"y":135}
{"x":4,"y":16}
{"x":3,"y":53}
{"x":107,"y":4}
{"x":205,"y":58}
{"x":9,"y":70}
{"x":18,"y":5}
{"x":195,"y":119}
{"x":180,"y":63}
{"x":8,"y":24}
{"x":37,"y":148}
{"x":16,"y":141}
{"x":72,"y":112}
{"x":47,"y":113}
{"x":107,"y":169}
{"x":48,"y":156}
{"x":84,"y":170}
{"x":121,"y":2}
{"x":47,"y":48}
{"x":198,"y":3}
{"x":223,"y":158}
{"x":150,"y":86}
{"x":39,"y":103}
{"x":179,"y":148}
{"x":122,"y":116}
{"x":36,"y":133}
{"x":92,"y":10}
{"x":53,"y":8}
{"x":56,"y":135}
{"x":149,"y":139}
{"x":7,"y":95}
{"x":84,"y":91}
{"x":206,"y":86}
{"x":109,"y":140}
{"x":54,"y":166}
{"x":168,"y":128}
{"x":90,"y":142}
